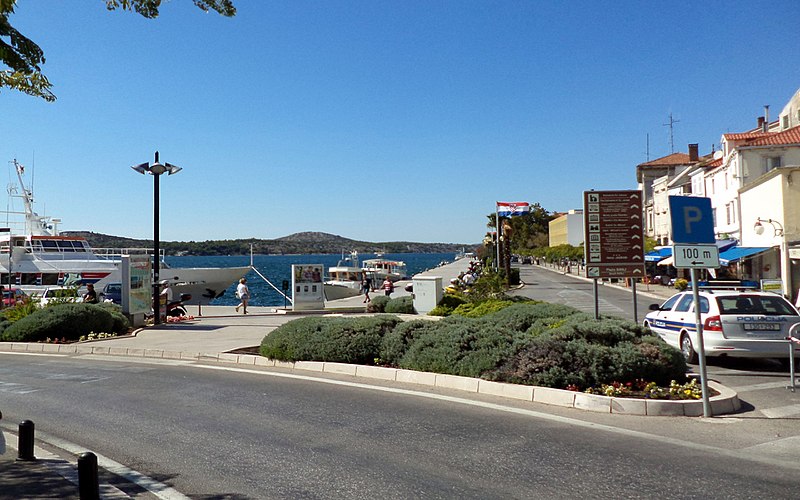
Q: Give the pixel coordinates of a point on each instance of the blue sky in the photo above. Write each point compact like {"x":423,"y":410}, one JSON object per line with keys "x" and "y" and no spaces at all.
{"x":378,"y":120}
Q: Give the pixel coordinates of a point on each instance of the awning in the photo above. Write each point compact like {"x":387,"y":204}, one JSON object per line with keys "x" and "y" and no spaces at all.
{"x":667,"y":262}
{"x":736,"y":253}
{"x":657,"y":255}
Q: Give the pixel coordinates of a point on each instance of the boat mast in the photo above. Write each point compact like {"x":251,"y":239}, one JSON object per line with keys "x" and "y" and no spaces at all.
{"x":34,"y":224}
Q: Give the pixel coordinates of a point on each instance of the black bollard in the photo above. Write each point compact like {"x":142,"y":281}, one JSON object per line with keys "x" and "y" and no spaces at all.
{"x":88,"y":481}
{"x":26,"y":430}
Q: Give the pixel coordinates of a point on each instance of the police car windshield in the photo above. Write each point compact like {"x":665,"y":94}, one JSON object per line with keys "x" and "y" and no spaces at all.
{"x":755,"y":304}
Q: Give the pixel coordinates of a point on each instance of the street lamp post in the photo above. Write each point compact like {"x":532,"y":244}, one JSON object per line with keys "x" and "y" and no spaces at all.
{"x":777,"y":231}
{"x":156,"y":169}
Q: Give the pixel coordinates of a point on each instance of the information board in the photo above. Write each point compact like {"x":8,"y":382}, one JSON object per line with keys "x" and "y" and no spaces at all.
{"x":613,"y":234}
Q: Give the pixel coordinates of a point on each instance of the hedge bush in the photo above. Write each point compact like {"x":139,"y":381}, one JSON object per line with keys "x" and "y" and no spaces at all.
{"x":400,"y":305}
{"x":459,"y":346}
{"x":478,"y":309}
{"x":69,"y":321}
{"x":582,"y":351}
{"x":531,"y":343}
{"x":378,"y":304}
{"x":343,"y":340}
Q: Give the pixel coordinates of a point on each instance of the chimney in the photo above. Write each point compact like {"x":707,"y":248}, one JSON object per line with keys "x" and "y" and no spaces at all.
{"x":760,"y":125}
{"x":693,"y":152}
{"x":766,"y":118}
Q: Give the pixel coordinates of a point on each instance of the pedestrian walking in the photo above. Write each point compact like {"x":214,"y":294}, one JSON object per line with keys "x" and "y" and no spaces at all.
{"x":388,"y":286}
{"x":365,"y":288}
{"x":244,"y":295}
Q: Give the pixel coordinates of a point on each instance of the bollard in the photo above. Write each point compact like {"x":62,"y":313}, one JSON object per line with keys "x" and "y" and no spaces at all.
{"x":88,"y":481}
{"x":26,"y":431}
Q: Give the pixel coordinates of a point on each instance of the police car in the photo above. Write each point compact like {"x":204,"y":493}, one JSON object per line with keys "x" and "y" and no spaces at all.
{"x":735,"y":323}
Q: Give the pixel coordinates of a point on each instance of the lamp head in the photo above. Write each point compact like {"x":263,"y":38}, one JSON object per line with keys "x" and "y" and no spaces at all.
{"x":141,"y":168}
{"x":758,"y":228}
{"x":157,"y":169}
{"x":172,"y":169}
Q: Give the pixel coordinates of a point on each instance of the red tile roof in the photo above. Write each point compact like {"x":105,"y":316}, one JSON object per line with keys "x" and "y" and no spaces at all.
{"x":744,"y":136}
{"x":673,"y":159}
{"x":790,"y":136}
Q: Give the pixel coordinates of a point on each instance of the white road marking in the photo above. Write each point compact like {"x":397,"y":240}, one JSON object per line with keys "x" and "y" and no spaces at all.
{"x":760,"y":387}
{"x":15,"y":388}
{"x":782,"y":411}
{"x":738,"y":454}
{"x":16,"y":353}
{"x":160,"y":490}
{"x":65,"y":469}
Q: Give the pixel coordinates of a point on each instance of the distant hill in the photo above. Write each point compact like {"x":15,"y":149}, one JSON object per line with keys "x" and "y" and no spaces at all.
{"x":298,"y":243}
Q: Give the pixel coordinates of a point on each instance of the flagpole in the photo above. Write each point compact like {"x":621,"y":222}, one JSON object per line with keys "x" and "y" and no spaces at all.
{"x":497,"y":234}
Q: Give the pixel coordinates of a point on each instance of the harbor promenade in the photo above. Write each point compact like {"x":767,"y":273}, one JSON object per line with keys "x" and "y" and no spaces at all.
{"x":216,"y":335}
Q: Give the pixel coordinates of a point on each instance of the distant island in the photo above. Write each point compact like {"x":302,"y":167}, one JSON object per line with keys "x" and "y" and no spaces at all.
{"x":298,"y":243}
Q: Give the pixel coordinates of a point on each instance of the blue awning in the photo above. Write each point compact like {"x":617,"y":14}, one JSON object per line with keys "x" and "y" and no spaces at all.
{"x":657,"y":255}
{"x":735,"y":253}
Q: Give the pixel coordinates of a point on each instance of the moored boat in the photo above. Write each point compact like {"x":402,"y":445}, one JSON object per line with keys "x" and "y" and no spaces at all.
{"x":344,"y":279}
{"x":382,"y":268}
{"x":37,"y":257}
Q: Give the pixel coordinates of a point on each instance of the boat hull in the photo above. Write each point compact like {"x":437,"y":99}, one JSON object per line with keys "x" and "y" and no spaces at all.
{"x":203,"y":284}
{"x":336,"y":291}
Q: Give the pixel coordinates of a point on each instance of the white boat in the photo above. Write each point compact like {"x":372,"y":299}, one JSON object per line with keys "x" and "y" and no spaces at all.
{"x":382,"y":268}
{"x":344,"y":279}
{"x":37,"y":257}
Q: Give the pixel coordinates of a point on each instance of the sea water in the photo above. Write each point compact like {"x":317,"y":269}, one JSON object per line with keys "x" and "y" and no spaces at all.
{"x":277,"y":268}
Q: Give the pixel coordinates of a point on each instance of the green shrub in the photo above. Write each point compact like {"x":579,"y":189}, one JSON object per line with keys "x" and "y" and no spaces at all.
{"x":458,"y":346}
{"x":582,"y":351}
{"x":489,"y":284}
{"x":440,"y":311}
{"x":400,"y":305}
{"x":482,"y":308}
{"x":521,"y":316}
{"x":20,"y":310}
{"x":121,"y":323}
{"x":69,"y":321}
{"x":378,"y":304}
{"x":681,"y":284}
{"x":344,"y":340}
{"x":395,"y":343}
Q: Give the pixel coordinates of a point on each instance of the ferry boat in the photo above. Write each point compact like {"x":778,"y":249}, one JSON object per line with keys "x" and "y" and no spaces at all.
{"x":39,"y":257}
{"x":344,"y":279}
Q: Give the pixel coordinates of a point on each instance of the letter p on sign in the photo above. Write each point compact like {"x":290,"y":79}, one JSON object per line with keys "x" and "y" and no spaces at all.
{"x":692,"y":219}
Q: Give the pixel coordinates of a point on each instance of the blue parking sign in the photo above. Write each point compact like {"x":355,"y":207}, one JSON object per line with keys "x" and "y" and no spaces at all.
{"x":692,"y":219}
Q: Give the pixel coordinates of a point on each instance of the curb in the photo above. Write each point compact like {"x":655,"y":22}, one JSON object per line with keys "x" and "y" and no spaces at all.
{"x":726,"y":402}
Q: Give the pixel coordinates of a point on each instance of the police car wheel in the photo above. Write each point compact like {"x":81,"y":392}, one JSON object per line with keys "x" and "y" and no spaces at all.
{"x":688,"y":349}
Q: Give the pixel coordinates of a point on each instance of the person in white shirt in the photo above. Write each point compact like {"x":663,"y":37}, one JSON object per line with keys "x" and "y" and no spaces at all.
{"x":244,"y":295}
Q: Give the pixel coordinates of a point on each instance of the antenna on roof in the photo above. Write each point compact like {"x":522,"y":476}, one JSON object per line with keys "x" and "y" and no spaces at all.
{"x":671,"y":129}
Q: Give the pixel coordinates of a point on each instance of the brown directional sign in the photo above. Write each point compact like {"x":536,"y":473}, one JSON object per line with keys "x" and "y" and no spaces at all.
{"x":613,"y":234}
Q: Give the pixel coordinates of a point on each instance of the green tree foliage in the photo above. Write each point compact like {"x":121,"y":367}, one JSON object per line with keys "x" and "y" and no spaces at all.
{"x":24,"y":58}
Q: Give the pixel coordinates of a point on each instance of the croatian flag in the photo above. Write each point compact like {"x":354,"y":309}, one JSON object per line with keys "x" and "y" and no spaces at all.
{"x":510,"y":209}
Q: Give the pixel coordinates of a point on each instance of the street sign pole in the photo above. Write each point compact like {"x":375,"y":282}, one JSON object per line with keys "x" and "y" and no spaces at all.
{"x":701,"y":346}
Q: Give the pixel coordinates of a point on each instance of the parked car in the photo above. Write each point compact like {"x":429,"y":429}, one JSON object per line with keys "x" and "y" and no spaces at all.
{"x":112,"y":292}
{"x":735,"y":323}
{"x":60,"y":293}
{"x":13,"y":295}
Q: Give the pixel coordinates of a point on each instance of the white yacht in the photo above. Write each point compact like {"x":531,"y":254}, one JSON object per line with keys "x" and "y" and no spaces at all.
{"x":344,"y":279}
{"x":37,"y":257}
{"x":381,"y":268}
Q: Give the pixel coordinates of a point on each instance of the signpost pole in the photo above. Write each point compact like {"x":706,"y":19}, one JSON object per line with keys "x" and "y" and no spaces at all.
{"x":701,"y":347}
{"x":596,"y":301}
{"x":635,"y":312}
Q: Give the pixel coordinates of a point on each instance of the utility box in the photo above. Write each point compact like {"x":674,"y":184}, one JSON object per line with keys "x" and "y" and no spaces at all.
{"x":427,"y":293}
